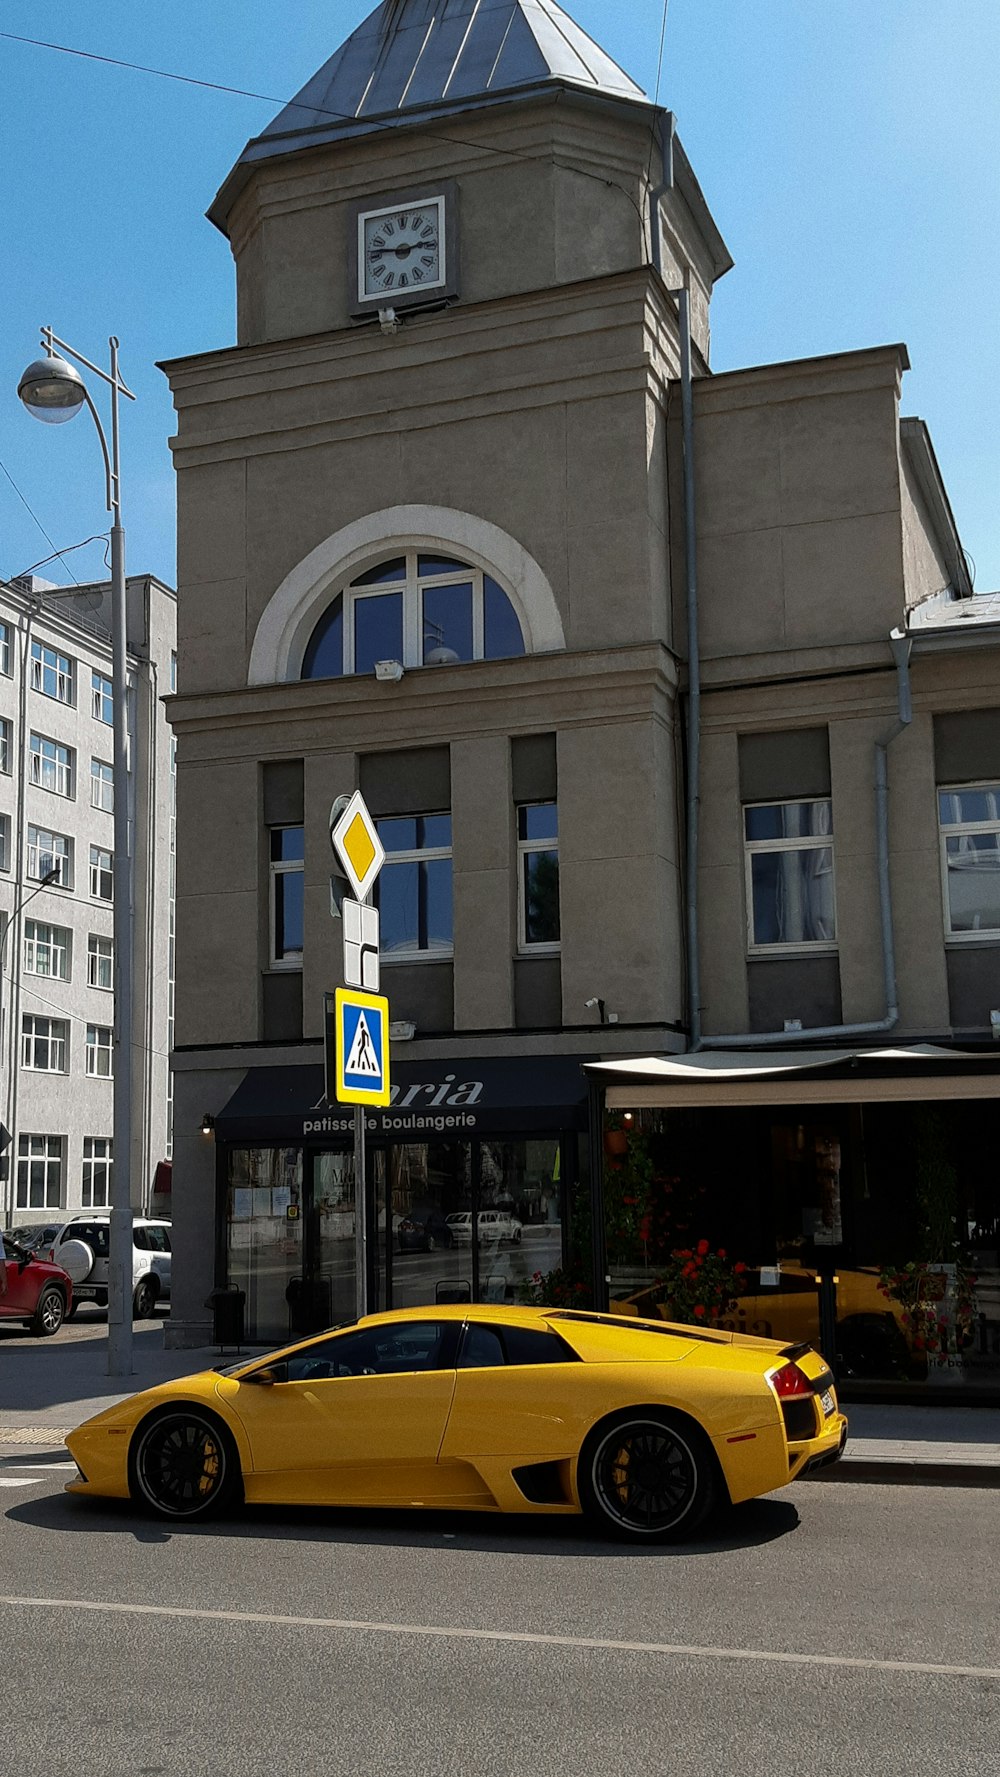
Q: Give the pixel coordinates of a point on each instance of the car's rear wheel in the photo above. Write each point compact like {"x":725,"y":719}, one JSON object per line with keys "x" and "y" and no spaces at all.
{"x":144,"y":1300}
{"x":50,"y":1312}
{"x":646,"y":1475}
{"x":183,"y":1464}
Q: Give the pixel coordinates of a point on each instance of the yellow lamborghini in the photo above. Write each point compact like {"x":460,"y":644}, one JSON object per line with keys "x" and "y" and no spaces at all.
{"x":640,"y":1425}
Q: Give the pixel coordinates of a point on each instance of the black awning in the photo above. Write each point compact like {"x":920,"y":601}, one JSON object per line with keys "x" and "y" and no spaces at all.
{"x":430,"y":1098}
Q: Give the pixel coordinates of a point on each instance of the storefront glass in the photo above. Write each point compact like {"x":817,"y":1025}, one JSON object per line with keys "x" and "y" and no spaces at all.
{"x":265,"y":1234}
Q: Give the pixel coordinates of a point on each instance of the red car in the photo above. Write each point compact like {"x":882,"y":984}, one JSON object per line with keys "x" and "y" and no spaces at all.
{"x":32,"y":1290}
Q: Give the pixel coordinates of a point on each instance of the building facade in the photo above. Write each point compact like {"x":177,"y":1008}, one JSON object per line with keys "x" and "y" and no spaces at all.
{"x":433,"y":545}
{"x":56,"y":908}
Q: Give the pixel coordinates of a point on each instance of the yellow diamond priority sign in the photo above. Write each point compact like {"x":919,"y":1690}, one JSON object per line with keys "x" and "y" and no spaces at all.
{"x":357,"y":845}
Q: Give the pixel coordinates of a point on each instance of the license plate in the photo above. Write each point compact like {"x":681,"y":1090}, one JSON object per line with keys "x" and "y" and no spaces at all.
{"x":82,"y":1294}
{"x":827,"y":1402}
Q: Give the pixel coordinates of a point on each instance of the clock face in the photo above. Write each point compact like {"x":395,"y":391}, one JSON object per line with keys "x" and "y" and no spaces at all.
{"x":401,"y":251}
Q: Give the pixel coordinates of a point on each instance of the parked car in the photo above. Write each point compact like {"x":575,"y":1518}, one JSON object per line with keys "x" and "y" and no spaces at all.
{"x":495,"y":1226}
{"x":32,"y":1290}
{"x":82,"y":1246}
{"x":423,"y":1230}
{"x":37,"y":1238}
{"x":640,"y":1426}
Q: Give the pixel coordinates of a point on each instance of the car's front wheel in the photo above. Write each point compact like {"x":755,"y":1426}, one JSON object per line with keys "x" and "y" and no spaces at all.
{"x":50,"y":1312}
{"x":647,"y":1476}
{"x":183,"y":1464}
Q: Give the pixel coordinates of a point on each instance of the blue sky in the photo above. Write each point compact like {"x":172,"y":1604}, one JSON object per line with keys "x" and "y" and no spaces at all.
{"x":849,"y":150}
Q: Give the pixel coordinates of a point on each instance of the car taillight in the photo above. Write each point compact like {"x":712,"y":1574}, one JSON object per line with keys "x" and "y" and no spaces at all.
{"x":790,"y":1382}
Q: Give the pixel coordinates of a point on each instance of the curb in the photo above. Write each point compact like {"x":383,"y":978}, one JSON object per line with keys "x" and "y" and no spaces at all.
{"x":903,"y":1472}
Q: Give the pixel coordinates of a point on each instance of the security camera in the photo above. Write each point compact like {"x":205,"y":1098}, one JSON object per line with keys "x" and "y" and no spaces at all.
{"x":389,"y":671}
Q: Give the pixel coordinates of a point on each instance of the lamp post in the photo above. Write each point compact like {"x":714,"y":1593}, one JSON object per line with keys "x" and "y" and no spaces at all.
{"x":53,"y":390}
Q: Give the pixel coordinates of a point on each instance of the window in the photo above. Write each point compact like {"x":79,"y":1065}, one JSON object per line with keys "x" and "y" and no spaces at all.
{"x":102,"y":786}
{"x":96,"y":1185}
{"x":422,"y":610}
{"x":51,"y":765}
{"x":50,"y":851}
{"x":970,"y":860}
{"x":43,"y":1044}
{"x":538,"y":876}
{"x":5,"y":650}
{"x":102,"y":699}
{"x":287,"y":896}
{"x":39,"y":1171}
{"x":485,"y":1347}
{"x":789,"y":875}
{"x":99,"y":1051}
{"x":102,"y":877}
{"x":46,"y":950}
{"x":4,"y":841}
{"x":372,"y":1351}
{"x":52,"y":673}
{"x":100,"y":962}
{"x":413,"y":892}
{"x":173,"y":670}
{"x":5,"y":734}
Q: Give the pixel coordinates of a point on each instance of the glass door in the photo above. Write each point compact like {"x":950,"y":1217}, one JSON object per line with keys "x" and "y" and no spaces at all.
{"x":425,"y":1225}
{"x":264,"y":1236}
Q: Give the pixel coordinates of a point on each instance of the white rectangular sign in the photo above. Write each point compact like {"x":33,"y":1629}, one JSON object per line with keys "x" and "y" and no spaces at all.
{"x":361,"y":966}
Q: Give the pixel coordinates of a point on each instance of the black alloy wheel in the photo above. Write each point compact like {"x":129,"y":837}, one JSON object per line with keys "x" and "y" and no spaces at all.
{"x":144,"y":1301}
{"x":183,"y":1465}
{"x":50,"y":1312}
{"x":646,"y":1477}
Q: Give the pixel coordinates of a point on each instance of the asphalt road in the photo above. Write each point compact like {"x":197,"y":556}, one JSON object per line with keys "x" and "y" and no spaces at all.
{"x":825,"y":1629}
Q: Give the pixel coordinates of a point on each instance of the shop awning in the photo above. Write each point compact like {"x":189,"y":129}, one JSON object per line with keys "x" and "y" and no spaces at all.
{"x":797,"y":1076}
{"x":451,"y":1098}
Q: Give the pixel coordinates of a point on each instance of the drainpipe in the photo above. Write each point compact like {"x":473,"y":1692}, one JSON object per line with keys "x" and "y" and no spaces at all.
{"x":693,"y":810}
{"x":900,"y":644}
{"x":666,"y":184}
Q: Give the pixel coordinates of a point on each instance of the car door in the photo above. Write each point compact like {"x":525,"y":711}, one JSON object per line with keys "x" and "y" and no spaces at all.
{"x":19,"y":1288}
{"x":158,"y":1240}
{"x":352,"y":1419}
{"x":517,"y":1396}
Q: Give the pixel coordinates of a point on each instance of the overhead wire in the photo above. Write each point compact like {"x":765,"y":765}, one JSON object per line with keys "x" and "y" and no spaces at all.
{"x":56,"y":553}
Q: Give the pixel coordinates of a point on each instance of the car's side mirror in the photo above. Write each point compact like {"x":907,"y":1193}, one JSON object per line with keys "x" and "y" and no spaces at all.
{"x":265,"y":1378}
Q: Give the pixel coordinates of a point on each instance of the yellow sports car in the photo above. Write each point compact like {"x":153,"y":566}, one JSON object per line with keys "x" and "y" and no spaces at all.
{"x":641,"y":1425}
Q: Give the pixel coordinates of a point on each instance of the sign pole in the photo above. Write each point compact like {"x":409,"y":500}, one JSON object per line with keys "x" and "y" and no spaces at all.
{"x":360,"y":1215}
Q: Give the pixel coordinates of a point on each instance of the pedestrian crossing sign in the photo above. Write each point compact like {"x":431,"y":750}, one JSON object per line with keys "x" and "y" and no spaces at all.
{"x":362,"y":1041}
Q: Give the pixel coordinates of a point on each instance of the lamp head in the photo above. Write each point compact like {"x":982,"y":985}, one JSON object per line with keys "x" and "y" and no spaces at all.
{"x":52,"y":390}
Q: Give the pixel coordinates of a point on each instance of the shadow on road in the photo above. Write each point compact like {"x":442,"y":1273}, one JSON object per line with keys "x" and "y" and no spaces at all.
{"x":748,"y":1526}
{"x":39,"y":1374}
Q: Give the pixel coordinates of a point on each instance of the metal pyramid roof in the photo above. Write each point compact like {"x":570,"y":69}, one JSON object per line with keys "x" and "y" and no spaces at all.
{"x":411,"y":53}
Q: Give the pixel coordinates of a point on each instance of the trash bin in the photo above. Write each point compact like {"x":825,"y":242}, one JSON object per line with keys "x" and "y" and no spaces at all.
{"x":227,"y":1305}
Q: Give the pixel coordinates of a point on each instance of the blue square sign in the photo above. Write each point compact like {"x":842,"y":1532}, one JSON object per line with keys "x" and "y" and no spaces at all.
{"x":362,"y":1033}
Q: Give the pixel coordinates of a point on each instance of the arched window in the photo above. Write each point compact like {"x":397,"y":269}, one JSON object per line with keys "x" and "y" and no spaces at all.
{"x":418,"y":609}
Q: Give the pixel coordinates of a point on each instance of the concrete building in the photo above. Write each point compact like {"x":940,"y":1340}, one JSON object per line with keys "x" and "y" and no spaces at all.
{"x":56,"y":803}
{"x":449,"y":439}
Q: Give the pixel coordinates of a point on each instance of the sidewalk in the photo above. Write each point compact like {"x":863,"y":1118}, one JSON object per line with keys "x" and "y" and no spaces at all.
{"x":49,"y":1386}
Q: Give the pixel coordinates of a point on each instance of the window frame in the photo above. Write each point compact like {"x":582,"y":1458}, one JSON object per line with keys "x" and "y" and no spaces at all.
{"x":411,"y":586}
{"x":59,"y":941}
{"x":44,"y":658}
{"x":294,"y":960}
{"x":95,"y":956}
{"x":102,"y":693}
{"x":985,"y":934}
{"x":58,"y":1043}
{"x":51,"y":1156}
{"x":102,"y":780}
{"x":63,"y":858}
{"x":102,"y":852}
{"x":91,"y":1164}
{"x":805,"y":842}
{"x":6,"y":670}
{"x":427,"y":855}
{"x":6,"y":746}
{"x":94,"y":1050}
{"x":5,"y":836}
{"x":60,"y":757}
{"x":525,"y":945}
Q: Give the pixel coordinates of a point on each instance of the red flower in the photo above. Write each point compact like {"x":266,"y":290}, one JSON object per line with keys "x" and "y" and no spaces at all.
{"x":580,"y":1288}
{"x":739,"y":1267}
{"x":722,"y":1252}
{"x":699,"y":1309}
{"x":918,"y":1344}
{"x":702,"y":1248}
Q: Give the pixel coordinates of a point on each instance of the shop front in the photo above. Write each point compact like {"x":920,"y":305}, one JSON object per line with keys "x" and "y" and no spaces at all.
{"x":468,"y":1174}
{"x":849,"y":1200}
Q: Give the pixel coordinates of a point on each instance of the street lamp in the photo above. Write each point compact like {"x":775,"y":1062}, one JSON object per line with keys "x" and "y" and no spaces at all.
{"x":53,"y":390}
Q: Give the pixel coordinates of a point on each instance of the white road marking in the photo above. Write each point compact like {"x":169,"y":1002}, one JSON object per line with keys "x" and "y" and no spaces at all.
{"x":36,"y":1467}
{"x":591,"y":1643}
{"x":19,"y":1480}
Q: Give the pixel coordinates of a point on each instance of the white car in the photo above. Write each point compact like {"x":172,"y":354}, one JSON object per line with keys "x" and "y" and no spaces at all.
{"x":494,"y":1226}
{"x":81,"y":1248}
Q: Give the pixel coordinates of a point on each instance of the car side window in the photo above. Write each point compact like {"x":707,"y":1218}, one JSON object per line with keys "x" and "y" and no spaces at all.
{"x":484,"y":1346}
{"x":95,"y":1234}
{"x":157,"y":1240}
{"x":415,"y":1346}
{"x":140,"y":1238}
